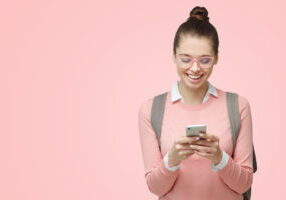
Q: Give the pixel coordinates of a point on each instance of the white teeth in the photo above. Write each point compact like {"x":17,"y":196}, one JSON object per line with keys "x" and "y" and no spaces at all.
{"x":194,"y":76}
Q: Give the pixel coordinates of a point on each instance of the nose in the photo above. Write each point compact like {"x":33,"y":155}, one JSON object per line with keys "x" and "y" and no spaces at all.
{"x":195,"y":67}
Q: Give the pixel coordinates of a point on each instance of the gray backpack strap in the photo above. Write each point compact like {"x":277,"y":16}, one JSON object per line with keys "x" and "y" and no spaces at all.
{"x":157,"y":113}
{"x":233,"y":114}
{"x":234,"y":118}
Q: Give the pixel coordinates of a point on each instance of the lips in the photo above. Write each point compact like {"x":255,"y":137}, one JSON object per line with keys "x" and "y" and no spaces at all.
{"x":195,"y":75}
{"x":194,"y":80}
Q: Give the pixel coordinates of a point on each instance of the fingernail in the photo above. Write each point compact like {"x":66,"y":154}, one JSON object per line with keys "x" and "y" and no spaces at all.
{"x":201,"y":134}
{"x":192,"y":146}
{"x":197,"y":138}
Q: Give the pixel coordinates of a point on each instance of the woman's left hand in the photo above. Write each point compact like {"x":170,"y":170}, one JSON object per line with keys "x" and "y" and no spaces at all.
{"x":208,"y":147}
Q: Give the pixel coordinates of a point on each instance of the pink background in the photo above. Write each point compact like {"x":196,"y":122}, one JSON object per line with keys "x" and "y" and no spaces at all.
{"x":73,"y":75}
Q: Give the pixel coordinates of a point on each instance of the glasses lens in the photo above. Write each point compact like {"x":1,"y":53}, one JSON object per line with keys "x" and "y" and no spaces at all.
{"x":186,"y":62}
{"x":205,"y":62}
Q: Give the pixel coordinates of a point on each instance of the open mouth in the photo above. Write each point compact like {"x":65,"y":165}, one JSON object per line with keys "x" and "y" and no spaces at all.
{"x":192,"y":77}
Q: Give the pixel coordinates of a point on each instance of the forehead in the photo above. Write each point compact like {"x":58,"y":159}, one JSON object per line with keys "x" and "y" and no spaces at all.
{"x":194,"y":45}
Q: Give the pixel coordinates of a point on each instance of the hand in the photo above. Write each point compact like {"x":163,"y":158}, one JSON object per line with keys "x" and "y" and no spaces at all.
{"x":181,"y":149}
{"x":208,"y":147}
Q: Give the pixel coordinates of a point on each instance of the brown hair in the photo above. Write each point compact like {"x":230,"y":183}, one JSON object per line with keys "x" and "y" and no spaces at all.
{"x":198,"y":24}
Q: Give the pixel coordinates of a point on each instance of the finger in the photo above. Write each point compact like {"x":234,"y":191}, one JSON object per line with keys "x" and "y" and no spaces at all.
{"x":205,"y":143}
{"x":182,"y":147}
{"x":185,"y":152}
{"x":185,"y":140}
{"x":203,"y":148}
{"x":204,"y":154}
{"x":209,"y":136}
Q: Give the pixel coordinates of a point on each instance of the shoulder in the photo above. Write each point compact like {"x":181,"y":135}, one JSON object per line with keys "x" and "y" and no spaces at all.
{"x":244,"y":106}
{"x":146,"y":105}
{"x":243,"y":102}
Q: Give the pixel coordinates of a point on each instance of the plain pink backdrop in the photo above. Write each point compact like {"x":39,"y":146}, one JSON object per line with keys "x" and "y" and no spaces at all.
{"x":73,"y":74}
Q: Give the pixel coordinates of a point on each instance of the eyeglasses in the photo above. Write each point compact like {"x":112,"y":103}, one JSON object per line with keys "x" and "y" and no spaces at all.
{"x":203,"y":61}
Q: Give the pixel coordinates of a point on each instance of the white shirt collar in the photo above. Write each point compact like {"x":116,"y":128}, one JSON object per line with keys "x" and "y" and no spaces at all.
{"x":176,"y":94}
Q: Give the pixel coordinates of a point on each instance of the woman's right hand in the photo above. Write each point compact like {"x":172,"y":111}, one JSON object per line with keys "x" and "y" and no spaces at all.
{"x":181,"y":149}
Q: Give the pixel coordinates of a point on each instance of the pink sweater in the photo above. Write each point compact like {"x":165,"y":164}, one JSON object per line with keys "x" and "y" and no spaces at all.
{"x":195,"y":180}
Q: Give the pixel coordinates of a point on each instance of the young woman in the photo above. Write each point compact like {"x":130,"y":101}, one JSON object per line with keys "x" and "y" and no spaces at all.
{"x":187,"y":168}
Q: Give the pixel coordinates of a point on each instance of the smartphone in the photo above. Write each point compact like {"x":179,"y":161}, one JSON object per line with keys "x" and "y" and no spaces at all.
{"x":195,"y":130}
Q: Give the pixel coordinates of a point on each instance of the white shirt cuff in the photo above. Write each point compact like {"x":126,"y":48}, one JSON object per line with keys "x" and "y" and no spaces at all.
{"x":222,"y":163}
{"x":174,"y":168}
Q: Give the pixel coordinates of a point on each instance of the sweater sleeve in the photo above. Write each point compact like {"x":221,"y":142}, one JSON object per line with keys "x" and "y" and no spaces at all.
{"x":238,"y":172}
{"x":222,"y":163}
{"x":159,"y":179}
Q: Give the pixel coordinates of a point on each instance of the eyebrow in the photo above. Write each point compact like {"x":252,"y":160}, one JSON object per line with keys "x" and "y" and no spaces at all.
{"x":184,"y":54}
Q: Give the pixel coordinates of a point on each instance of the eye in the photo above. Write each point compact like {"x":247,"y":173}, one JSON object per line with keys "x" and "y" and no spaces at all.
{"x":185,"y":60}
{"x":205,"y":60}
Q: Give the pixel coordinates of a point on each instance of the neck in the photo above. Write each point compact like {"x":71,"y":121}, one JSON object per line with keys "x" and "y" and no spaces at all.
{"x":193,"y":96}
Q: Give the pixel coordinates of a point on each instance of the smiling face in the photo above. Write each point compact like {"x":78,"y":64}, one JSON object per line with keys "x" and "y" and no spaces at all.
{"x":193,"y":47}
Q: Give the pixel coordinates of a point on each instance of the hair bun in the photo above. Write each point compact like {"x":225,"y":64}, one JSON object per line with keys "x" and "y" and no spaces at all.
{"x":200,"y":13}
